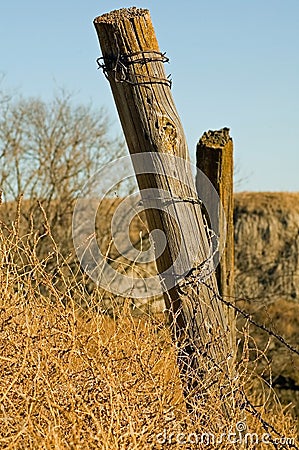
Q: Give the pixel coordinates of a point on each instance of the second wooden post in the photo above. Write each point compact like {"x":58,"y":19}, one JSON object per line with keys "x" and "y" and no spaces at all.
{"x":214,"y":157}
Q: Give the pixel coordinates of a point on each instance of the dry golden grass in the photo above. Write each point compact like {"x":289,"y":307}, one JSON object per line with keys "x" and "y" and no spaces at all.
{"x":72,"y":378}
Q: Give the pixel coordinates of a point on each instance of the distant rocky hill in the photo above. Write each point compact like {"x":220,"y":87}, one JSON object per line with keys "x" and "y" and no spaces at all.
{"x":267,"y":246}
{"x":267,"y":278}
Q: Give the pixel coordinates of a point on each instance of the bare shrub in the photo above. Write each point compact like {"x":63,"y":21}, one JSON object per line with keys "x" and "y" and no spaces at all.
{"x":47,"y":153}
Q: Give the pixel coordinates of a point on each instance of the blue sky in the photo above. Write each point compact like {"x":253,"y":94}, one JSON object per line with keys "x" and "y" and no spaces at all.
{"x":234,"y":63}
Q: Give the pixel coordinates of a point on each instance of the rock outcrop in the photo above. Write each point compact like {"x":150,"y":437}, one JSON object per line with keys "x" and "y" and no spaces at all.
{"x":267,"y":246}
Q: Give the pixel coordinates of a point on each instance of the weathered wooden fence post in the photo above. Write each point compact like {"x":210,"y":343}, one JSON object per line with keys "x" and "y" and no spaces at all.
{"x":214,"y":157}
{"x":133,"y":64}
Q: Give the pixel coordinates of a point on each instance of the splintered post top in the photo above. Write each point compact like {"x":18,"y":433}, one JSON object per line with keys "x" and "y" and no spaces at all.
{"x":121,"y":14}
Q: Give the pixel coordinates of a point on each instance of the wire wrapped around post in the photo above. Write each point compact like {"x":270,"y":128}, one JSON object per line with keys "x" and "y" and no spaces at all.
{"x":121,"y":64}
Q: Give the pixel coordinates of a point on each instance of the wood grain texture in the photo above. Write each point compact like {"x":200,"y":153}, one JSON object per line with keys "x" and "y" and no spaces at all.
{"x":151,"y":123}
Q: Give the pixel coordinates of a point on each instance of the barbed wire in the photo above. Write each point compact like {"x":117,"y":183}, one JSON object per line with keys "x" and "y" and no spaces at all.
{"x":243,"y":403}
{"x":120,"y":64}
{"x":248,"y":317}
